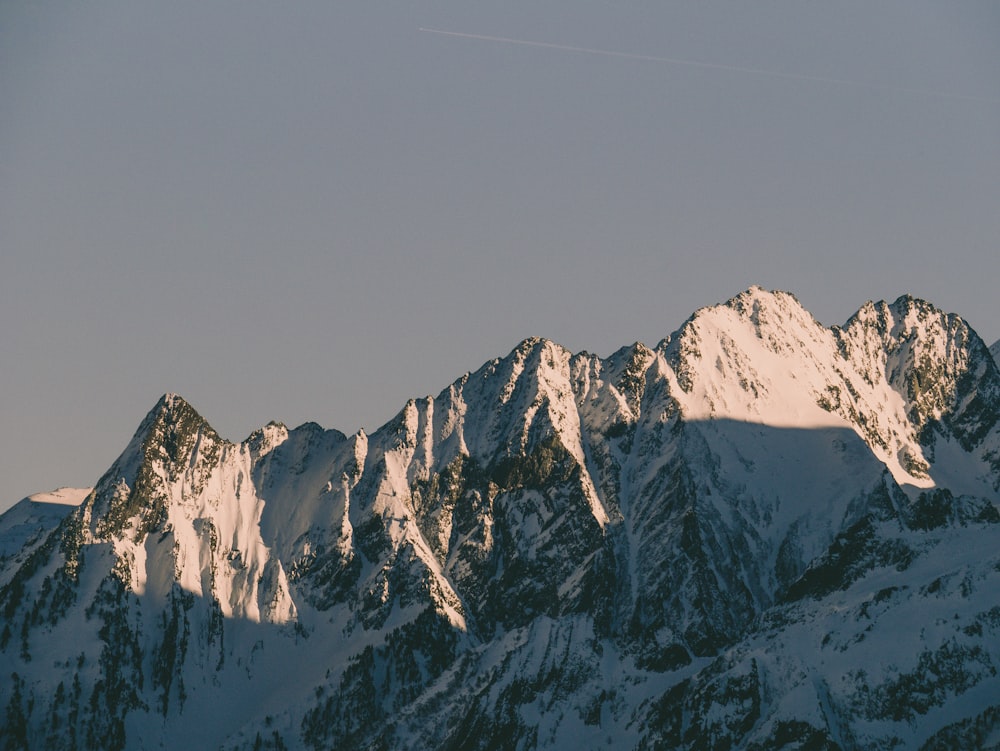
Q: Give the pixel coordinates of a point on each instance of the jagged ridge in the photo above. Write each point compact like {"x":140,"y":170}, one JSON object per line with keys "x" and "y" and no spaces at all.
{"x":584,"y":545}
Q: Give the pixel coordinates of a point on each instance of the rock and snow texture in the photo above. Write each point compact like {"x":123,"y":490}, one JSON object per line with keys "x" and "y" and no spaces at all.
{"x":759,"y":533}
{"x":31,"y":520}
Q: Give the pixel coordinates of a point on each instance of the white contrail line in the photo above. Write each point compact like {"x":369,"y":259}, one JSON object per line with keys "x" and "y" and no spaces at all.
{"x":711,"y":66}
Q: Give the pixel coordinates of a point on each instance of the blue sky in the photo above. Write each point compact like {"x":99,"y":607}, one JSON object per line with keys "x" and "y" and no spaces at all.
{"x":314,"y":211}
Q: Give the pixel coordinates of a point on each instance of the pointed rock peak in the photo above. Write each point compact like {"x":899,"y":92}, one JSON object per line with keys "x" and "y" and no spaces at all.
{"x":637,"y":351}
{"x":532,"y":354}
{"x":172,"y":426}
{"x":756,"y":301}
{"x":754,"y":304}
{"x":868,"y":313}
{"x":534,"y":344}
{"x":309,"y":427}
{"x":174,"y":412}
{"x":754,"y":294}
{"x":770,"y":315}
{"x":907,"y":302}
{"x":899,"y":309}
{"x":265,"y":439}
{"x":170,"y":405}
{"x":633,"y":356}
{"x":914,"y":312}
{"x":529,"y":345}
{"x":170,"y":399}
{"x":909,"y":317}
{"x":530,"y":342}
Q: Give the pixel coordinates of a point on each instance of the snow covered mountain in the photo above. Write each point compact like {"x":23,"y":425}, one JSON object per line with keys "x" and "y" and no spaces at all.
{"x":761,"y":533}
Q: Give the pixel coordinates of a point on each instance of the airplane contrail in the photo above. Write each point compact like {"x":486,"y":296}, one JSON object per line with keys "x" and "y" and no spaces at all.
{"x":711,"y":66}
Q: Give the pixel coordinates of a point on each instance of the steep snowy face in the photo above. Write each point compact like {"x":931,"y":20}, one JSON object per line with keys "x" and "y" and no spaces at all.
{"x":907,"y":377}
{"x":179,"y":509}
{"x":712,"y":444}
{"x":27,"y":524}
{"x":760,"y":357}
{"x":488,"y":484}
{"x":655,"y":548}
{"x":934,"y":360}
{"x":941,"y":389}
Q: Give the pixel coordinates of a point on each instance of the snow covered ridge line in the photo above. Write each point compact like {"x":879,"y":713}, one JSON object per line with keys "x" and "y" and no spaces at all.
{"x":760,"y":533}
{"x":63,"y":496}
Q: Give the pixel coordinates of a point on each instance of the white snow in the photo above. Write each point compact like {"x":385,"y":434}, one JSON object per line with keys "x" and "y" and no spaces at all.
{"x":63,"y":496}
{"x":783,"y":426}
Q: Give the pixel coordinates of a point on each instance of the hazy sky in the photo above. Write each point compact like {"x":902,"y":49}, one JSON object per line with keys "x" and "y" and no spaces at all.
{"x":314,"y":211}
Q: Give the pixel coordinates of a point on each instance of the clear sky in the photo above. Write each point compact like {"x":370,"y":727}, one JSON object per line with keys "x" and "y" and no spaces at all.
{"x":314,"y":210}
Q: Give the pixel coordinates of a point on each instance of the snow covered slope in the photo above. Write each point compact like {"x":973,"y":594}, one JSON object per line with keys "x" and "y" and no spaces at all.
{"x":759,"y":533}
{"x":26,"y":524}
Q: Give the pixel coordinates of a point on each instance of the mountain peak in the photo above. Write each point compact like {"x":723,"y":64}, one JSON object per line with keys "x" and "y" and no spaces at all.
{"x":533,"y":344}
{"x":757,"y":294}
{"x":170,"y":399}
{"x":174,"y":412}
{"x":907,"y":301}
{"x":905,"y":316}
{"x":171,"y":429}
{"x":917,"y":311}
{"x":757,"y":305}
{"x":707,"y":540}
{"x":774,"y":318}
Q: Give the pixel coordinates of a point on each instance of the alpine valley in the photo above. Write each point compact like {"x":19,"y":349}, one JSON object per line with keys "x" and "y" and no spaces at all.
{"x":762,"y":533}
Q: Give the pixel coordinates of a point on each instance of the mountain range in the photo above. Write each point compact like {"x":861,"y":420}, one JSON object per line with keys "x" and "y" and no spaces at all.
{"x":761,"y":533}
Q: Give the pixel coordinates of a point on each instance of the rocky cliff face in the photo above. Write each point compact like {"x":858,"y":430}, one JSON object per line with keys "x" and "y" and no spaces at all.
{"x":761,"y":533}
